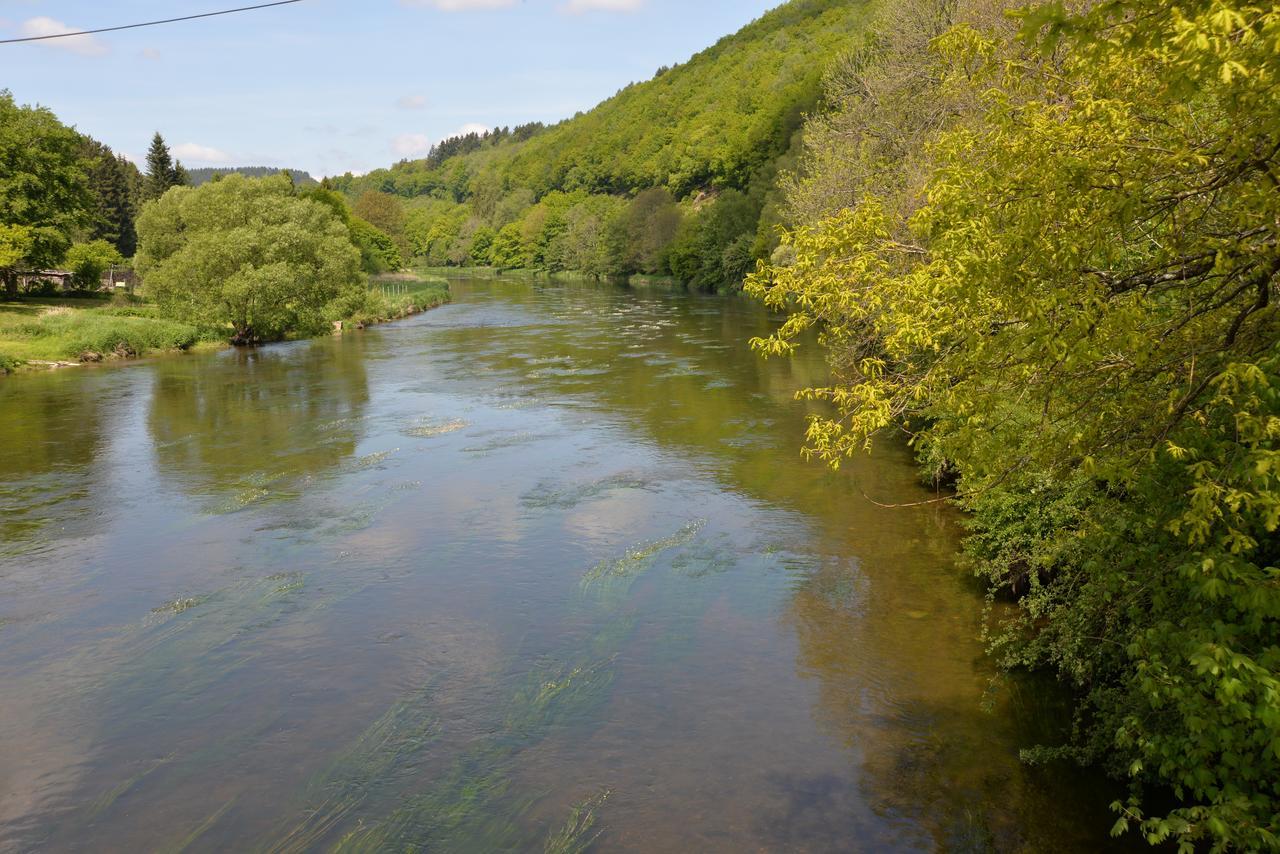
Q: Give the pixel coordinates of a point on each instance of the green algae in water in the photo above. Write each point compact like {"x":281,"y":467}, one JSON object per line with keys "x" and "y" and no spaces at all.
{"x":576,"y":836}
{"x":203,"y":828}
{"x":177,"y":606}
{"x":432,"y":429}
{"x":705,"y":559}
{"x":639,"y":558}
{"x":549,"y":496}
{"x":510,"y":440}
{"x":378,"y":759}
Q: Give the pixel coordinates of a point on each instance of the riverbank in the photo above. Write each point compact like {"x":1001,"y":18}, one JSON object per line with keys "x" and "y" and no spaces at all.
{"x":519,"y":274}
{"x":44,"y":333}
{"x":50,"y":333}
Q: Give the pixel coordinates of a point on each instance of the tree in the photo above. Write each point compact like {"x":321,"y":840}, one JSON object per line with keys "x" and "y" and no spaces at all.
{"x":1074,"y":312}
{"x":701,"y":255}
{"x":246,"y":254}
{"x":42,"y":187}
{"x":385,"y":213}
{"x":162,"y":172}
{"x":88,"y":261}
{"x":16,"y":243}
{"x":378,"y":252}
{"x":111,"y":181}
{"x":653,"y":220}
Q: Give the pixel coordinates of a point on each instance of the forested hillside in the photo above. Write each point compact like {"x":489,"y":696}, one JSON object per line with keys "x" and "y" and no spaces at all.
{"x":674,"y":175}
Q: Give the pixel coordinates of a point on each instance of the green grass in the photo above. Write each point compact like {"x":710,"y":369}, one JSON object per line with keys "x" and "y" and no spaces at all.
{"x":60,"y":330}
{"x":393,"y":297}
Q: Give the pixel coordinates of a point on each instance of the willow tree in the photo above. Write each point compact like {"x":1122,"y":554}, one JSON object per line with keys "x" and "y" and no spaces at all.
{"x":248,"y":255}
{"x":1078,"y":317}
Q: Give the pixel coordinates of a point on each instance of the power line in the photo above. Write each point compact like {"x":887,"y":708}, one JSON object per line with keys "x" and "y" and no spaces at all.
{"x":148,"y":23}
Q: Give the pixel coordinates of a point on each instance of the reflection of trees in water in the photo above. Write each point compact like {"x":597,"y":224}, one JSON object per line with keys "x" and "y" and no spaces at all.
{"x":224,"y":427}
{"x":52,"y":430}
{"x":900,"y":680}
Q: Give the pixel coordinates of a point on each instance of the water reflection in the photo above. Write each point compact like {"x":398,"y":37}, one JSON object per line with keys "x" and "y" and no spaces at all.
{"x":235,"y":429}
{"x":51,"y":439}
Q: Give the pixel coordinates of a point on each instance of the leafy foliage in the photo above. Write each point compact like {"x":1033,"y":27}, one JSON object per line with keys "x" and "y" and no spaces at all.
{"x":44,"y":197}
{"x":1067,"y":281}
{"x":89,"y":261}
{"x":196,"y":177}
{"x":248,"y":254}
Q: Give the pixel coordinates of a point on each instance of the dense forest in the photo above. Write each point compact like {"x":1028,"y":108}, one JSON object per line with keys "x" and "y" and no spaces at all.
{"x":675,"y":176}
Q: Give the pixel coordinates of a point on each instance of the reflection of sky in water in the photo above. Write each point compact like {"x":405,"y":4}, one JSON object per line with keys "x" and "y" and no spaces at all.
{"x":439,"y":583}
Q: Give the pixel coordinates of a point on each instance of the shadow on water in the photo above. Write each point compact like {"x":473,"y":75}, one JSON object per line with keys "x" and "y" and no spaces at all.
{"x":541,"y":569}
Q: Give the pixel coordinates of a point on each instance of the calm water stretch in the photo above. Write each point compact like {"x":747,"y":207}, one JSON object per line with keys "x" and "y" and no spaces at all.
{"x":539,"y":569}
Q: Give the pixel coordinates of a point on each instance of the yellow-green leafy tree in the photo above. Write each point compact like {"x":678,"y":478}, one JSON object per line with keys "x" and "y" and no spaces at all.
{"x":1078,"y":319}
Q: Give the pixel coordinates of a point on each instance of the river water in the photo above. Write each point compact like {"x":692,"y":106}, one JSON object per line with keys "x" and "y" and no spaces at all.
{"x":540,"y":569}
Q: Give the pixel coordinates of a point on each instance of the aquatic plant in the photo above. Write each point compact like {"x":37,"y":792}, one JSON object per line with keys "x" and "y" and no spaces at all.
{"x":576,"y":836}
{"x":550,"y":496}
{"x":639,"y":558}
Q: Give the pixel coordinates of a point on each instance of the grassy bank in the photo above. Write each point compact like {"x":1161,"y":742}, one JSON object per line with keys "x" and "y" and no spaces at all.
{"x":396,"y":295}
{"x":84,"y":330}
{"x":49,"y":332}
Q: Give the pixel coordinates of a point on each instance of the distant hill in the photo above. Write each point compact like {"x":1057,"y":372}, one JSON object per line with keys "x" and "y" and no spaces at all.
{"x":709,"y":136}
{"x":204,"y":176}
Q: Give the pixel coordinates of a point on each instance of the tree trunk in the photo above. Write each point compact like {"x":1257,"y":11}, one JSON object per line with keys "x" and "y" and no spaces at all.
{"x":244,"y":338}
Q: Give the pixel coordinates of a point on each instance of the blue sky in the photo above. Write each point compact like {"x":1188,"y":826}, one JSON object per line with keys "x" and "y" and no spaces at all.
{"x":332,"y":85}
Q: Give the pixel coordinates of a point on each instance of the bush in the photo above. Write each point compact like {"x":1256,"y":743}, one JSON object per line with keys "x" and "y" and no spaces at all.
{"x":88,"y":261}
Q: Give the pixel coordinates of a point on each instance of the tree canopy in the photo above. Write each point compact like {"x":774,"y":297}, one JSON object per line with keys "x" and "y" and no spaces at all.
{"x":44,"y":196}
{"x":248,"y":254}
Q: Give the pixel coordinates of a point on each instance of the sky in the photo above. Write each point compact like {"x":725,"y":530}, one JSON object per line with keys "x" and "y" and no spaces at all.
{"x":335,"y":85}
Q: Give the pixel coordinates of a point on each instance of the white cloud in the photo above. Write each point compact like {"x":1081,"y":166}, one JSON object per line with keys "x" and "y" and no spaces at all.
{"x":577,"y":7}
{"x":412,"y":102}
{"x":200,"y":154}
{"x":150,"y":53}
{"x":460,"y":5}
{"x":83,"y":45}
{"x":411,"y":144}
{"x":469,"y":127}
{"x":419,"y":144}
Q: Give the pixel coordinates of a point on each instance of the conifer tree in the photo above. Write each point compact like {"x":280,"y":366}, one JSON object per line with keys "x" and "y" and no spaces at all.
{"x":161,"y":173}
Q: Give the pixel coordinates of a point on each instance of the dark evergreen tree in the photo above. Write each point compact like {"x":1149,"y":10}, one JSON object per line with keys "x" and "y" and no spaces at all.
{"x":179,"y":178}
{"x":112,"y":185}
{"x":161,"y":174}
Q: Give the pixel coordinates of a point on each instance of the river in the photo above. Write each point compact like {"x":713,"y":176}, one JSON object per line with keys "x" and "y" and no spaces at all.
{"x":539,"y":569}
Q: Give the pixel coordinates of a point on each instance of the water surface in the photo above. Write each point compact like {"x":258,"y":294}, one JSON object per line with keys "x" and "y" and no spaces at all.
{"x":540,"y":568}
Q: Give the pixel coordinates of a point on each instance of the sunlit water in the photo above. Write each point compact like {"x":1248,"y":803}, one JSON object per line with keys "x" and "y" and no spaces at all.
{"x":436,"y":585}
